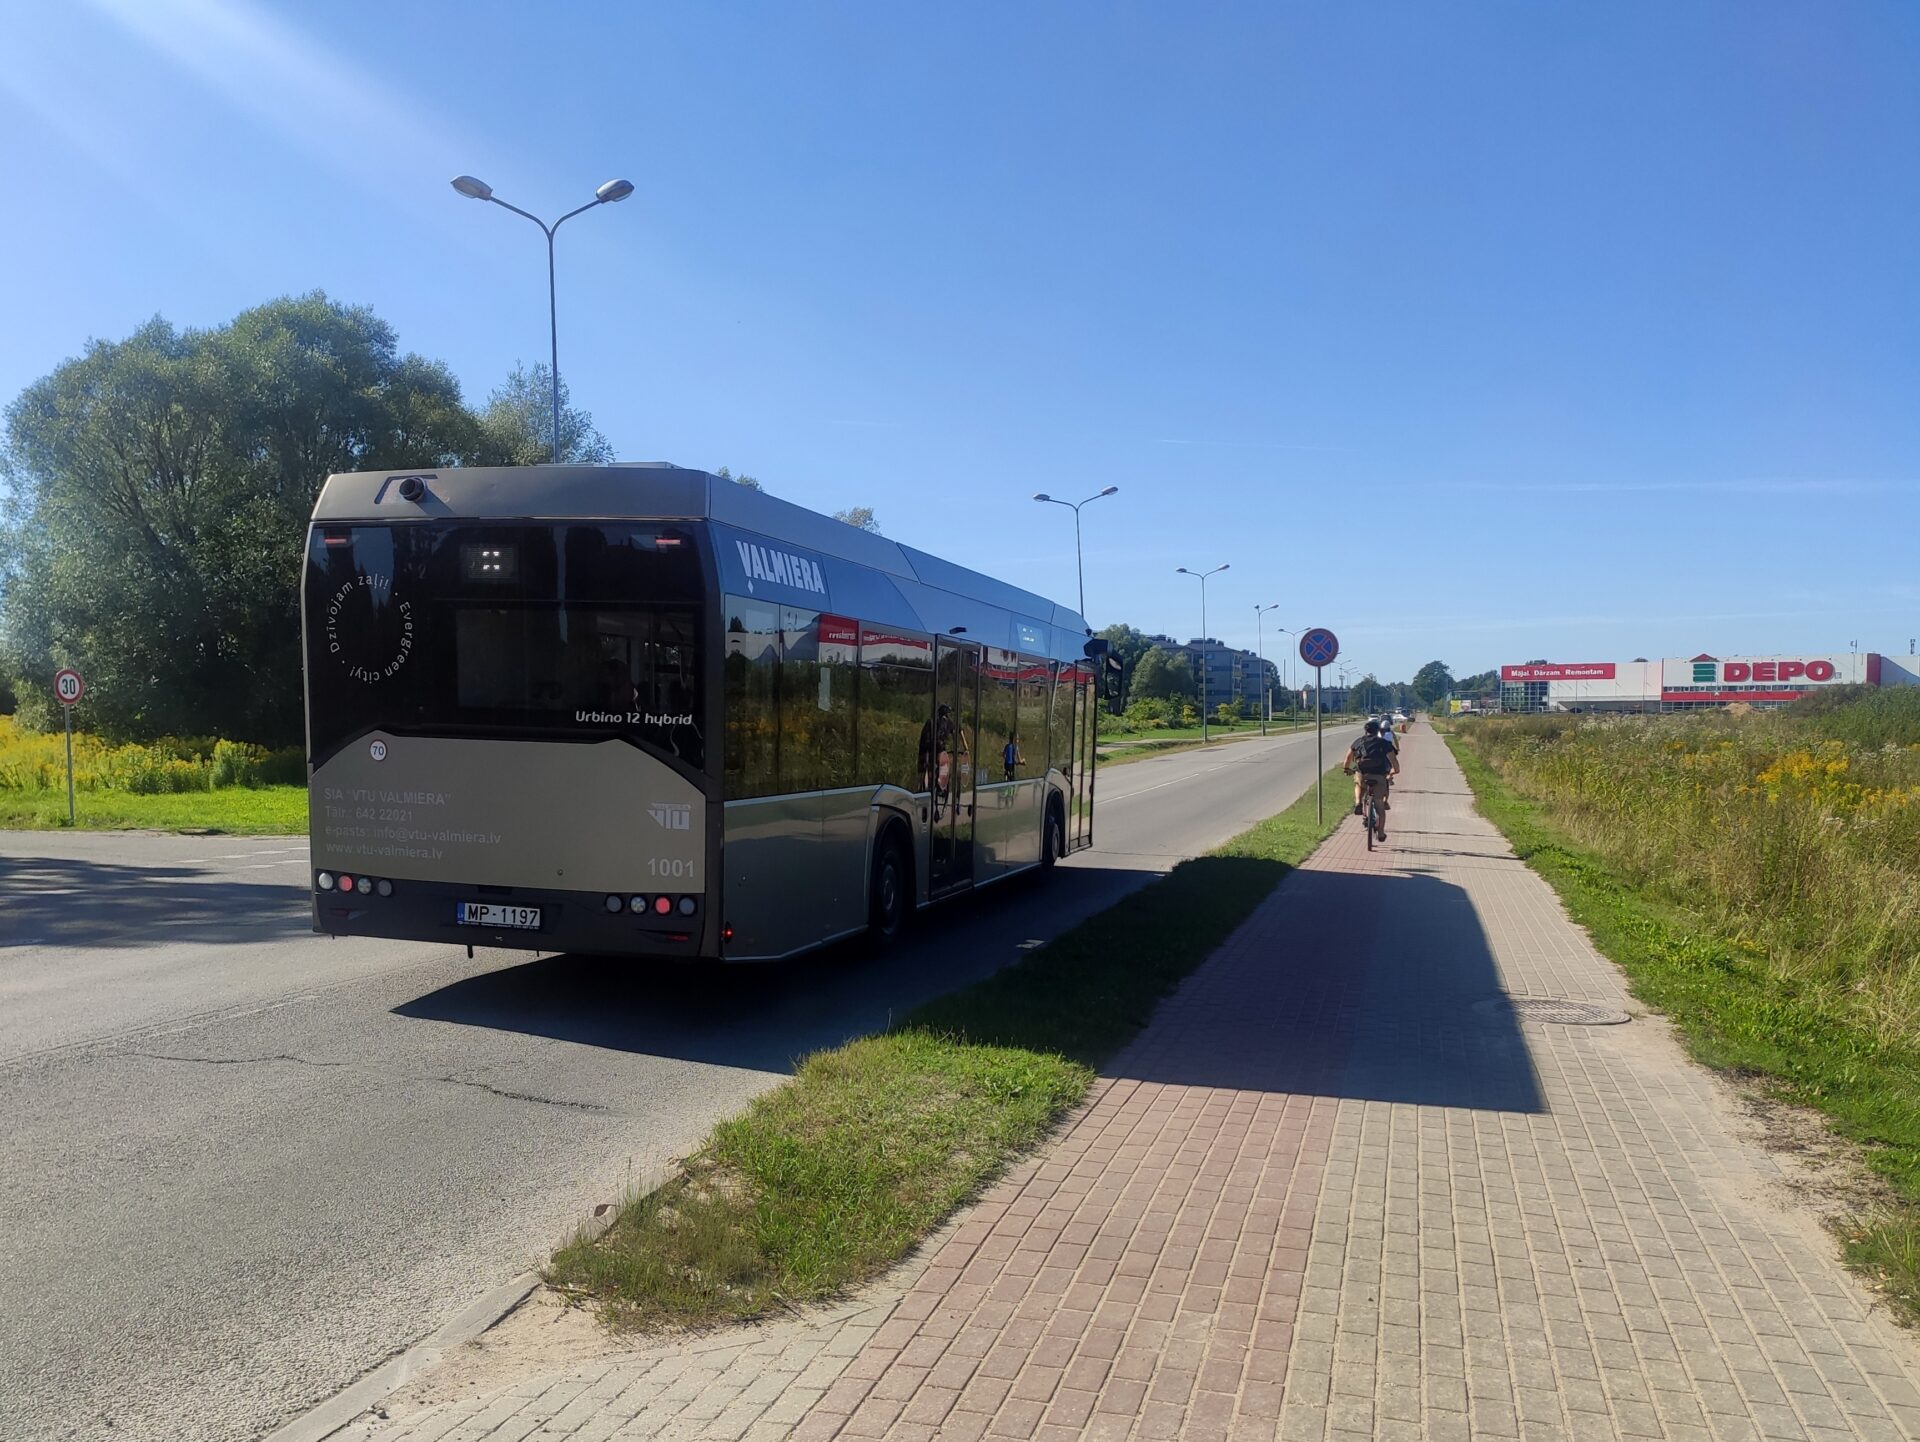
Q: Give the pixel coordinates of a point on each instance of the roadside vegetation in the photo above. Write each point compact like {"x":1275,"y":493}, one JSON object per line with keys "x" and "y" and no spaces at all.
{"x":828,"y":1180}
{"x":171,"y":783}
{"x":1758,"y":878}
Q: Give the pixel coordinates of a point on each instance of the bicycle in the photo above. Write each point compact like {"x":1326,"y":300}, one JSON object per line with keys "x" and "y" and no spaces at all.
{"x":1373,"y":818}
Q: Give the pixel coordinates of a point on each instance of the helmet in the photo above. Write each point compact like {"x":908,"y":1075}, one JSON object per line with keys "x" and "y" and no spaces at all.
{"x":1373,"y":727}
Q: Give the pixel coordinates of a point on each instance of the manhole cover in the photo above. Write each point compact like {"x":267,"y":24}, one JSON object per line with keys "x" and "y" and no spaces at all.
{"x":1553,"y":1011}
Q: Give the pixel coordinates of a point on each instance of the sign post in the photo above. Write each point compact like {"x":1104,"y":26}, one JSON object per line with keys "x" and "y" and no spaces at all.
{"x":68,"y":688}
{"x":1318,"y":647}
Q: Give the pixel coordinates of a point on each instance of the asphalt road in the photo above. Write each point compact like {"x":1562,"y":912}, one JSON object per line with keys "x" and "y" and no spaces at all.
{"x":244,"y":1164}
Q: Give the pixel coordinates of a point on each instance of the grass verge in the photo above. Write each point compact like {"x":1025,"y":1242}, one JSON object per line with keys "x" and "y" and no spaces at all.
{"x":238,"y":810}
{"x":829,"y":1179}
{"x":1736,"y":1013}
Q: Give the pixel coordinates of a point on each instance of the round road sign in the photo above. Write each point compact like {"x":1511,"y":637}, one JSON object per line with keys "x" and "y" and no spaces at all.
{"x":68,"y":686}
{"x":1319,"y":646}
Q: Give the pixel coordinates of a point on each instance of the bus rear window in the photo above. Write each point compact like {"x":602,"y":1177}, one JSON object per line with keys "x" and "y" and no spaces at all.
{"x":555,"y":630}
{"x":576,"y":664}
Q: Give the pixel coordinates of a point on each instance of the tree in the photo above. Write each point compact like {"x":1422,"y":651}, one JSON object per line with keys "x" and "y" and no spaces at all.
{"x":1432,"y":681}
{"x":160,"y":492}
{"x":740,"y":480}
{"x":1129,"y":644}
{"x":1485,"y":683}
{"x":1163,"y":675}
{"x":1367,"y":695}
{"x":517,"y":424}
{"x":860,"y":518}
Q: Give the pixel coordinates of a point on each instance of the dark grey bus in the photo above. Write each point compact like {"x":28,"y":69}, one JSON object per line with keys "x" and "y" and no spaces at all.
{"x":646,"y":711}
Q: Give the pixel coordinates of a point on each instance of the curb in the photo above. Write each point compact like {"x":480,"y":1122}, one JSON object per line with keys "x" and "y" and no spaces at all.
{"x":353,"y":1402}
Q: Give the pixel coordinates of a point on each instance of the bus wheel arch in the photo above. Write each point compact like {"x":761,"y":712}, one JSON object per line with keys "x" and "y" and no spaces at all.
{"x":1053,"y":835}
{"x":890,"y":887}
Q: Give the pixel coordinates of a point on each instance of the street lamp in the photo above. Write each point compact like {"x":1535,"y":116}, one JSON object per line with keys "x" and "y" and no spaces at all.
{"x":608,"y":194}
{"x":1260,"y":650}
{"x":1206,"y":733}
{"x":1075,"y":506}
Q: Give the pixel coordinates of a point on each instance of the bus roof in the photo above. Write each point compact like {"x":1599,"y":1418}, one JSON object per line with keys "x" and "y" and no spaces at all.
{"x":765,"y":547}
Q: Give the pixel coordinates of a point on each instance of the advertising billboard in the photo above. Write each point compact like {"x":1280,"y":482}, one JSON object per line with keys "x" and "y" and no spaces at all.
{"x":1560,"y":671}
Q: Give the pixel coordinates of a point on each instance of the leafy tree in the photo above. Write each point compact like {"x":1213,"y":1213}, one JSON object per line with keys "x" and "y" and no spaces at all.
{"x":1484,"y":683}
{"x":517,"y":424}
{"x":1163,"y":675}
{"x":1432,"y":681}
{"x":160,"y":492}
{"x":1129,"y":644}
{"x":740,"y":480}
{"x":1367,"y":695}
{"x":860,"y":518}
{"x":1226,"y":713}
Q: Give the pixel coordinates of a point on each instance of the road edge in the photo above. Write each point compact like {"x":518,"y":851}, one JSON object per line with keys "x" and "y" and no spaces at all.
{"x":347,"y":1406}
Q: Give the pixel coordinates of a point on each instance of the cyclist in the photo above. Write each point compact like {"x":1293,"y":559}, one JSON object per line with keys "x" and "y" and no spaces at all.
{"x":1372,"y":761}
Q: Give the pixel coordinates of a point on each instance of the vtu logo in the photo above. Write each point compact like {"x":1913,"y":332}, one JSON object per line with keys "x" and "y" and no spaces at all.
{"x":672,"y":815}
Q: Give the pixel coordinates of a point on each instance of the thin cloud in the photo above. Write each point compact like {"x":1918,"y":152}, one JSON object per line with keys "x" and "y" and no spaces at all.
{"x":1548,"y":623}
{"x":1826,"y":485}
{"x":325,"y":103}
{"x":1248,"y":445}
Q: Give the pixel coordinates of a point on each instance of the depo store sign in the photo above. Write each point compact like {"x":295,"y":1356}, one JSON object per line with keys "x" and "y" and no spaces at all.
{"x":1790,"y":672}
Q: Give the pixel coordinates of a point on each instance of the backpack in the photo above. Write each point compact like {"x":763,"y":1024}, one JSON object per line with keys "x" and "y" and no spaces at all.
{"x":1010,"y":754}
{"x":1371,"y":755}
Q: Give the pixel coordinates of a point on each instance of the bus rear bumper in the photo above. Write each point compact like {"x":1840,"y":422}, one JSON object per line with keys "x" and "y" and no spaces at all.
{"x":570,"y":921}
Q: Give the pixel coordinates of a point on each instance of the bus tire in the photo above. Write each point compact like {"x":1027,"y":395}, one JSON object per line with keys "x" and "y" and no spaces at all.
{"x":889,"y":891}
{"x":1053,"y":836}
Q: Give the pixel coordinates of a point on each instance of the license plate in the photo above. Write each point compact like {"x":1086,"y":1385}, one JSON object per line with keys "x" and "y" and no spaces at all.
{"x":481,"y":913}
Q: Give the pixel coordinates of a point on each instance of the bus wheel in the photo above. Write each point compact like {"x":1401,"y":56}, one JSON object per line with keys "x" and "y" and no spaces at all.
{"x":890,"y":897}
{"x":1053,"y":841}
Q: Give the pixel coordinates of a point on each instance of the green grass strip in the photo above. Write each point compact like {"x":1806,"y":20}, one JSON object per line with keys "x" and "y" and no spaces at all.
{"x":235,"y":810}
{"x":1737,"y":1014}
{"x":832,"y":1177}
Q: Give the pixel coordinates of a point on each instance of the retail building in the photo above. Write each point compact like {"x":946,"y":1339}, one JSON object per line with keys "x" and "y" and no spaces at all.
{"x":1695,"y":682}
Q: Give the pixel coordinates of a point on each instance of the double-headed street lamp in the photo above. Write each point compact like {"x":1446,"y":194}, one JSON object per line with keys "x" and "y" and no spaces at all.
{"x":1075,"y":506}
{"x":613,"y":190}
{"x":1206,"y":733}
{"x":1260,"y":652}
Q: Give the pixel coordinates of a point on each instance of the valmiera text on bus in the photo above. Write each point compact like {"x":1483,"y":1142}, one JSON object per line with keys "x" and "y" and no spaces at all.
{"x":641,"y":710}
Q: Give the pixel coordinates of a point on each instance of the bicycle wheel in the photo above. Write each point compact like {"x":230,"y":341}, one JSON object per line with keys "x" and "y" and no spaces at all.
{"x":1366,"y":819}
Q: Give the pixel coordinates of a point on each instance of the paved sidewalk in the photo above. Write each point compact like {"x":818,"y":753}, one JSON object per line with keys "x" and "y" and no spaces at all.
{"x":1347,"y":1185}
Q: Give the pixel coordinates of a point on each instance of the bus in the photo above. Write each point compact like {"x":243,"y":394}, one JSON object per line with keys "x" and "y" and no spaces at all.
{"x":641,"y":710}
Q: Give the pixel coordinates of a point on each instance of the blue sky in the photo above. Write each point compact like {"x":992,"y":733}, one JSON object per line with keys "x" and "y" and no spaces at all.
{"x":1478,"y":331}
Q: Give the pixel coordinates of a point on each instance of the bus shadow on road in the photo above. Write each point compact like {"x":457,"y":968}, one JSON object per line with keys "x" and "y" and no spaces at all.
{"x":767,"y":1015}
{"x":1373,"y":987}
{"x":61,"y":901}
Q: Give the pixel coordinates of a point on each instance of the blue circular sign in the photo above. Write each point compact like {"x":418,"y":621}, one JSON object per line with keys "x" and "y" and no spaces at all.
{"x":1319,"y":646}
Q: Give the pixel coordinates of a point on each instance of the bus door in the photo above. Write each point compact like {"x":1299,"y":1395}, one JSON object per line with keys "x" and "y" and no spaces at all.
{"x":1086,"y":702}
{"x":956,"y":696}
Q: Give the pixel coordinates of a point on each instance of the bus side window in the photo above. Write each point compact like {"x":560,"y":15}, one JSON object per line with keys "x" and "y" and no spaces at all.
{"x":1060,"y":742}
{"x":998,"y":688}
{"x":752,"y":689}
{"x":1031,"y":715}
{"x":895,"y":708}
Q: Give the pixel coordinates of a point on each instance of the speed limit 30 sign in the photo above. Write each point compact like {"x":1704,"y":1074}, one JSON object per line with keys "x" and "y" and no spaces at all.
{"x":68,"y":686}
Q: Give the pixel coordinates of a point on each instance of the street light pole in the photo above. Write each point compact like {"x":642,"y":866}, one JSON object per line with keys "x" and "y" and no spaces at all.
{"x":1260,"y":650}
{"x":608,"y":194}
{"x":1074,"y":506}
{"x":1206,"y":732}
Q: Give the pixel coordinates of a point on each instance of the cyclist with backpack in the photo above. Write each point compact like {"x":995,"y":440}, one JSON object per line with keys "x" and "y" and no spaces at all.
{"x":1372,"y":761}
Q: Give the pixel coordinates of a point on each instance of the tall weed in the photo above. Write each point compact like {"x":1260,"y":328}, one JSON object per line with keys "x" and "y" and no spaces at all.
{"x":1797,"y":834}
{"x":32,"y":761}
